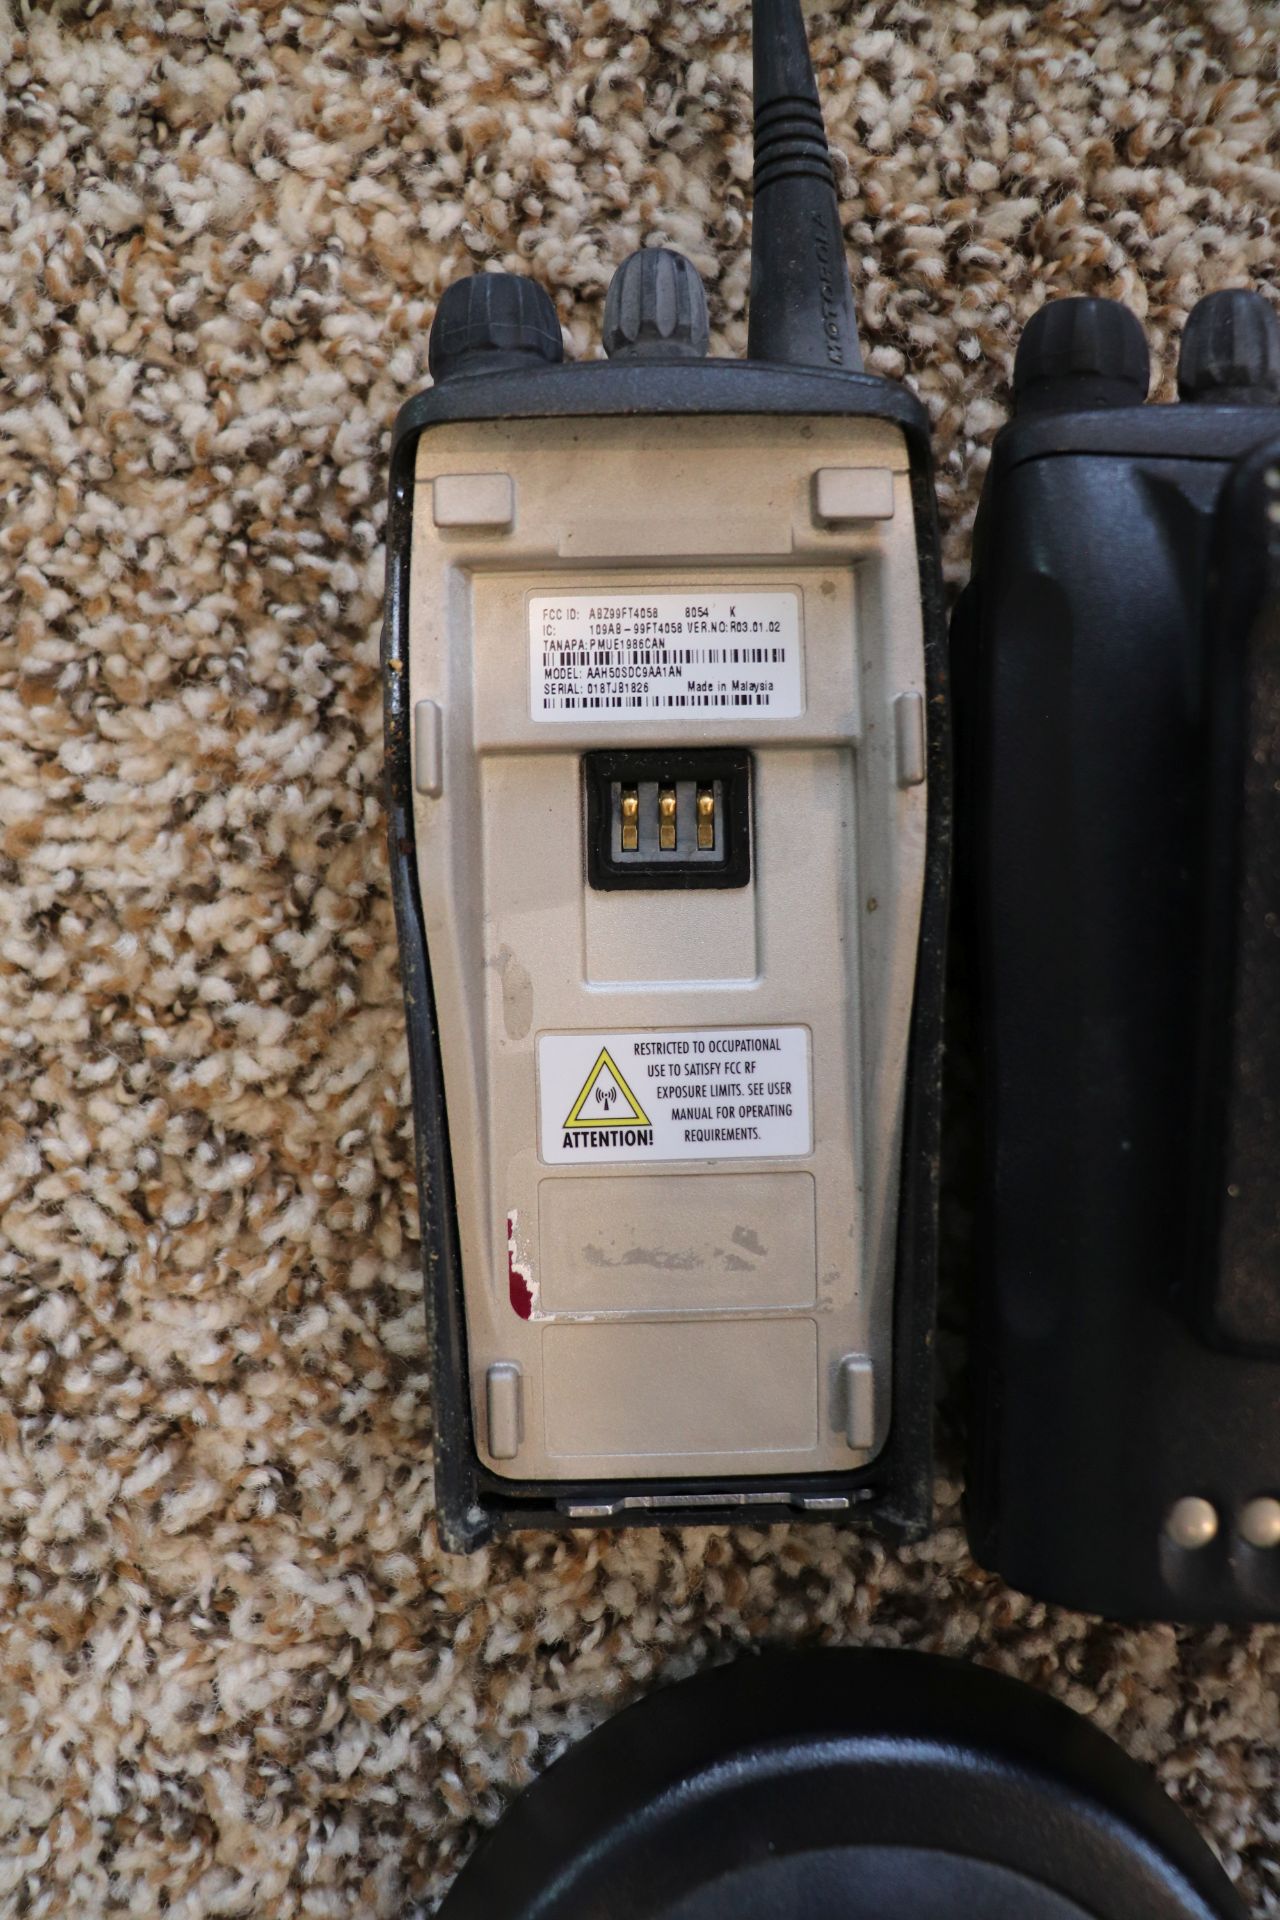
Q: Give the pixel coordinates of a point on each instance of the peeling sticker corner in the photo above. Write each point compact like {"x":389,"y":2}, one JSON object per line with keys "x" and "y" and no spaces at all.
{"x":522,"y":1286}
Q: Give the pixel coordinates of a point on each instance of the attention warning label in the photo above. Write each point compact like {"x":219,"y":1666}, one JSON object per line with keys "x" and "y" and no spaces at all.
{"x":606,"y":1099}
{"x":613,"y":656}
{"x":713,"y":1094}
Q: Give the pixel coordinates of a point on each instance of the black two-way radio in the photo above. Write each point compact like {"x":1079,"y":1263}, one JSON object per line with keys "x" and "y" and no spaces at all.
{"x":1118,"y":657}
{"x":667,"y":768}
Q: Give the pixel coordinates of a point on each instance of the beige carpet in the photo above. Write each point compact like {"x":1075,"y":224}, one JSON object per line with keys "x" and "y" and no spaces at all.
{"x":236,"y":1675}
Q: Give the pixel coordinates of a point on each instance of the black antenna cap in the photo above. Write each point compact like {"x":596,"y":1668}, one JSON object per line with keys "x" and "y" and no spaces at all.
{"x":656,"y":308}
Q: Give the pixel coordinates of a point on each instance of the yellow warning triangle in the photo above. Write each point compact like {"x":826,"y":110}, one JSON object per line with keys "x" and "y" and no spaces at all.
{"x":615,"y":1104}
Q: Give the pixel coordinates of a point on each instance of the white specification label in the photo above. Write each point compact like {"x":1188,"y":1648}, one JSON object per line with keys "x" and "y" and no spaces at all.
{"x":721,"y":1093}
{"x":614,"y":656}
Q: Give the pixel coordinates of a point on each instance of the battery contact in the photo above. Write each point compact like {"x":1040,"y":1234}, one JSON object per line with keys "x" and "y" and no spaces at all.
{"x":630,"y":810}
{"x":706,"y":819}
{"x":666,"y":819}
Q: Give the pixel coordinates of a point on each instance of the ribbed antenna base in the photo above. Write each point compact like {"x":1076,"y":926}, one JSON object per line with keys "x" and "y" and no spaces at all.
{"x":801,"y":300}
{"x":791,"y":140}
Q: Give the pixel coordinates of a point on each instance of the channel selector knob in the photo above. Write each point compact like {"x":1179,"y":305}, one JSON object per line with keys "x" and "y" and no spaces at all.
{"x":656,"y":308}
{"x":1081,"y":353}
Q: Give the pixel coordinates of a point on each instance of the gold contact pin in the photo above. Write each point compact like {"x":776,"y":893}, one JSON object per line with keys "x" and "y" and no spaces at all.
{"x":630,"y":819}
{"x":706,"y":819}
{"x":666,"y":819}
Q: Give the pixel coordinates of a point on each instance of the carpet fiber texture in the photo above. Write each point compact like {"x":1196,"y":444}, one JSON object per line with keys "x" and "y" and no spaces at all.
{"x":237,"y":1675}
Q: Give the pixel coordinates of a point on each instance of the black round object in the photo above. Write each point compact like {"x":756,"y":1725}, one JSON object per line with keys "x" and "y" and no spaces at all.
{"x":491,"y":323}
{"x":1081,"y":353}
{"x":656,"y":308}
{"x":844,"y":1786}
{"x":1230,"y":352}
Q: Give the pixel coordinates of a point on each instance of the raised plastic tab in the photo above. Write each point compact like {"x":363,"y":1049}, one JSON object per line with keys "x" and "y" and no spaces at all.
{"x":428,"y":748}
{"x":843,"y":494}
{"x":1230,"y":352}
{"x":858,"y":1396}
{"x":504,"y":1412}
{"x":473,"y":500}
{"x":656,"y":308}
{"x":908,"y":738}
{"x":1081,"y":353}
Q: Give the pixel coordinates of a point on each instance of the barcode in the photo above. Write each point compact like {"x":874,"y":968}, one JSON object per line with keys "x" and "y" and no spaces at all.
{"x":567,"y":702}
{"x":660,"y":658}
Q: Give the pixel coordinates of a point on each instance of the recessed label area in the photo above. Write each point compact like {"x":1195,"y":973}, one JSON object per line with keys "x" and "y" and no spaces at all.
{"x":687,"y":655}
{"x":677,"y":1240}
{"x":711,"y":1094}
{"x":664,"y":1388}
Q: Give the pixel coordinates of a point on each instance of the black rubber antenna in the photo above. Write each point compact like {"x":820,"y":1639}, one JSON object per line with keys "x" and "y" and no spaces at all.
{"x":801,"y":300}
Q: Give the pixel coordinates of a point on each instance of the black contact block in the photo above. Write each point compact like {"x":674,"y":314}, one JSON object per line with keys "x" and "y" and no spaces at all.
{"x":666,"y":818}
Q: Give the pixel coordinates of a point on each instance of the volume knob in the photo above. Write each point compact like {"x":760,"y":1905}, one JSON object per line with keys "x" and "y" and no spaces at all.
{"x":656,"y":308}
{"x":1230,"y":352}
{"x":492,"y":323}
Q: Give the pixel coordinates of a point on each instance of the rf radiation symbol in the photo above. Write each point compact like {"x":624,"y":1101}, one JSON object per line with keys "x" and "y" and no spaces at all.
{"x":606,"y":1100}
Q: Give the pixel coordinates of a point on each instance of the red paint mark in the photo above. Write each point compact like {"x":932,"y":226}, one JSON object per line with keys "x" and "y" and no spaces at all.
{"x":517,"y":1285}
